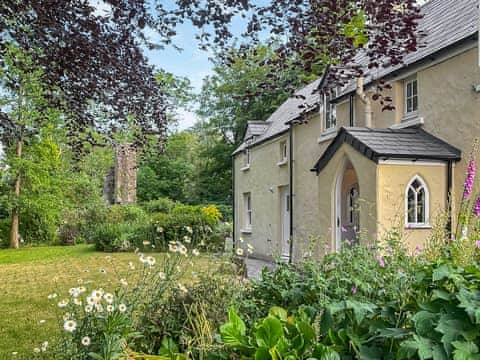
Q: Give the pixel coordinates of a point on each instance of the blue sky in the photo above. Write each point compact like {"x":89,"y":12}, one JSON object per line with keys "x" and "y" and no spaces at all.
{"x":191,"y":62}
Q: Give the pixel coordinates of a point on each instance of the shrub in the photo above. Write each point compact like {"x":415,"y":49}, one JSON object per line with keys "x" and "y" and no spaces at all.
{"x":112,"y":236}
{"x":162,"y":205}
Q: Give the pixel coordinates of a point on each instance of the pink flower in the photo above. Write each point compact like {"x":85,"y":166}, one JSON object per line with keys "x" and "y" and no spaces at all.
{"x":354,"y":290}
{"x":389,"y":250}
{"x":381,"y":263}
{"x":477,"y":244}
{"x":476,"y":208}
{"x":469,"y":180}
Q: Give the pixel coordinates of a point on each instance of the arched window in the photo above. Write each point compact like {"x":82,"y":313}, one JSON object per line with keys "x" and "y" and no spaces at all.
{"x":352,"y":204}
{"x":417,"y":200}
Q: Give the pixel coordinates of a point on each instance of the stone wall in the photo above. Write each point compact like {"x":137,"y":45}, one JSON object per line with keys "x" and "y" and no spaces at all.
{"x":125,"y":174}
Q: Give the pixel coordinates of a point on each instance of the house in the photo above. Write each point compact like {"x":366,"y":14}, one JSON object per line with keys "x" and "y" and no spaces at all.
{"x":347,"y":171}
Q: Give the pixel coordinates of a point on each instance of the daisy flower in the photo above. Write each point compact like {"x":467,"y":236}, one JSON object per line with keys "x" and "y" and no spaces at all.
{"x":52,"y":296}
{"x":70,"y":326}
{"x":88,"y":308}
{"x":182,"y":288}
{"x":110,"y":308}
{"x":122,"y":308}
{"x":123,"y":282}
{"x":131,"y":266}
{"x":44,"y":346}
{"x":86,"y":341}
{"x":239,"y":251}
{"x":195,"y":252}
{"x":162,"y":275}
{"x":151,"y":260}
{"x":97,"y":295}
{"x":187,"y":239}
{"x":108,"y":298}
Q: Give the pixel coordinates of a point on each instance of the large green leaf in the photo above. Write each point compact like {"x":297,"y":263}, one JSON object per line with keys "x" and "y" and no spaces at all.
{"x":233,"y":332}
{"x":470,"y":301}
{"x":269,"y":332}
{"x":441,"y":272}
{"x":465,"y":350}
{"x":425,"y":322}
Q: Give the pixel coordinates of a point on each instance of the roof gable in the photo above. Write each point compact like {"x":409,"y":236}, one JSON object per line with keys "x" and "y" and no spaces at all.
{"x":378,"y":144}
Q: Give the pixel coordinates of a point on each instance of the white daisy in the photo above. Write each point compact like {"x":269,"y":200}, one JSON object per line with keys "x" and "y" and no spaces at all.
{"x":162,"y":275}
{"x":110,"y":308}
{"x":123,"y":282}
{"x":182,"y":288}
{"x":151,"y":260}
{"x":122,"y":308}
{"x":97,"y":295}
{"x":91,"y":300}
{"x":70,"y":326}
{"x":52,"y":296}
{"x":88,"y":308}
{"x":82,"y":289}
{"x":44,"y":346}
{"x":142,"y":259}
{"x":108,"y":298}
{"x":187,"y":239}
{"x":195,"y":252}
{"x":86,"y":341}
{"x":239,"y":251}
{"x":183,"y":250}
{"x":131,"y":266}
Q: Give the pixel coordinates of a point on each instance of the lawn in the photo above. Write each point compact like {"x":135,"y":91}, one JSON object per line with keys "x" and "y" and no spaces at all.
{"x":28,"y":276}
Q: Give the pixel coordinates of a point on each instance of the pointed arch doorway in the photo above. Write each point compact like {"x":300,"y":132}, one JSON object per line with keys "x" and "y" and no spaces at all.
{"x":346,"y":205}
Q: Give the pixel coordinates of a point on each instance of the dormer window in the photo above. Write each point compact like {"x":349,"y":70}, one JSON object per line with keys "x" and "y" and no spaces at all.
{"x":330,"y":112}
{"x":411,"y":95}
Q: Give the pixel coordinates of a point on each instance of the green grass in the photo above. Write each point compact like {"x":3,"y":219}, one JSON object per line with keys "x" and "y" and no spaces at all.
{"x":28,"y":276}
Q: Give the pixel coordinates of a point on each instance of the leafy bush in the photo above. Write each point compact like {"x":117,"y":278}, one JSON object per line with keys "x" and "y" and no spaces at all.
{"x":163,"y":205}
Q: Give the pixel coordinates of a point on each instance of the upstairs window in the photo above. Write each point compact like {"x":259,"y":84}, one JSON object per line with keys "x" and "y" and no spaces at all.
{"x":246,"y":158}
{"x":247,"y":198}
{"x":411,"y":95}
{"x":330,"y":112}
{"x":417,"y":200}
{"x":283,"y":152}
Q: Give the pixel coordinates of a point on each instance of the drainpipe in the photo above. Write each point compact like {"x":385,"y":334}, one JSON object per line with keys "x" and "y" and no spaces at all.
{"x":449,"y":198}
{"x":290,"y":167}
{"x":233,"y":204}
{"x":366,"y":101}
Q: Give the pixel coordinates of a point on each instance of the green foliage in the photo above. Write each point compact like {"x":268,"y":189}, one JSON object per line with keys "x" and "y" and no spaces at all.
{"x":276,"y":336}
{"x":162,"y":205}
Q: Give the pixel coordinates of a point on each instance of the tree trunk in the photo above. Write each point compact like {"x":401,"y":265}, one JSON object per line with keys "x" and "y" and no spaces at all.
{"x":14,"y":235}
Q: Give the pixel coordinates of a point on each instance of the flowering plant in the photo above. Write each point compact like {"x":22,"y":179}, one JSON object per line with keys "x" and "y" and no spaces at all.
{"x":102,"y":322}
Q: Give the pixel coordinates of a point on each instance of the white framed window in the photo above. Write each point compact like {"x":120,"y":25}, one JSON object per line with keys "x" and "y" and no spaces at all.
{"x":330,"y":111}
{"x":417,"y":201}
{"x":283,"y":152}
{"x":247,"y":199}
{"x":246,"y":158}
{"x":411,"y":95}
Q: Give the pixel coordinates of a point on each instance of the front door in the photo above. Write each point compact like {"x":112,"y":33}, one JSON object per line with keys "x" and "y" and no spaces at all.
{"x":285,"y":221}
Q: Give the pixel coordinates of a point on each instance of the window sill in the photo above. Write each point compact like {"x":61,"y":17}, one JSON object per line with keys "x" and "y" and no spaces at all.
{"x":245,"y":168}
{"x":327,"y":135}
{"x":283,"y":162}
{"x":418,"y":226}
{"x":246,"y":231}
{"x":409,"y":121}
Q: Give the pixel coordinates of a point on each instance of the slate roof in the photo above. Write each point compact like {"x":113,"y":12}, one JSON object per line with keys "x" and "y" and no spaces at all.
{"x":378,"y":144}
{"x":289,"y":110}
{"x":444,"y":22}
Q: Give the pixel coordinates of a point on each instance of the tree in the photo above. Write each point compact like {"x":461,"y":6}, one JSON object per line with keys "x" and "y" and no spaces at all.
{"x":169,"y":173}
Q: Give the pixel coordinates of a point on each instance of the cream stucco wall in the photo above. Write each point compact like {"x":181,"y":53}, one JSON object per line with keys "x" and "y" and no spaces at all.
{"x":392,"y":184}
{"x":262,"y":180}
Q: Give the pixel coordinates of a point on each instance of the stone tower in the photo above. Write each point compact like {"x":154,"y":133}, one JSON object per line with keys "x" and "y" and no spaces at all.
{"x":125,"y":175}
